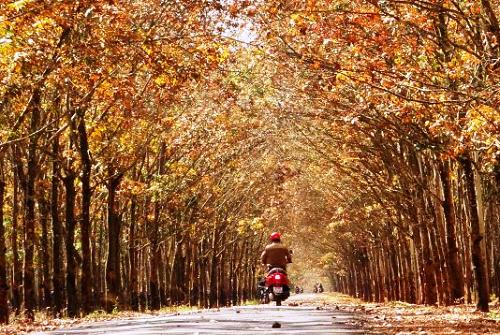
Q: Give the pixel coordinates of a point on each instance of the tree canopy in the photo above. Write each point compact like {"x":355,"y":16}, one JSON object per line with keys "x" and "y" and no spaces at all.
{"x":148,"y":148}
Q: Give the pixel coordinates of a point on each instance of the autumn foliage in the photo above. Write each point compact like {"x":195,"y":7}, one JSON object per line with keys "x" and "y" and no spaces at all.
{"x":147,"y":147}
{"x":398,"y":106}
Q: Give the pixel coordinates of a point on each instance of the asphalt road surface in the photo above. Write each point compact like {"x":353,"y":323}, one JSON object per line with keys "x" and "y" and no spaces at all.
{"x":302,"y":319}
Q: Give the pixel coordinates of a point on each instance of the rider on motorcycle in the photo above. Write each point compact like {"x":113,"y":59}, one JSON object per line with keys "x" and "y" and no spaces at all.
{"x":276,"y":254}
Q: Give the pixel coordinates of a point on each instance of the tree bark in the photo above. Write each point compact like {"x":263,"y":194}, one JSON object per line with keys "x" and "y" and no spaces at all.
{"x":86,"y":288}
{"x":113,"y":275}
{"x":394,"y":270}
{"x":133,"y":281}
{"x":44,"y":250}
{"x":411,"y":286}
{"x":29,"y":206}
{"x":478,"y":251}
{"x":213,"y":271}
{"x":4,"y":287}
{"x":155,"y":260}
{"x":455,"y":273}
{"x":17,"y":276}
{"x":71,"y":271}
{"x":57,"y":243}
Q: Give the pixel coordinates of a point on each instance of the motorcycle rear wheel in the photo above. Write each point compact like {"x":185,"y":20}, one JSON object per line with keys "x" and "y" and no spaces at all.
{"x":278,"y":302}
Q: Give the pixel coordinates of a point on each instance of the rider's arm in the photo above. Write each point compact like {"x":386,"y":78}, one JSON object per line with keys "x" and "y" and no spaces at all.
{"x":263,"y":257}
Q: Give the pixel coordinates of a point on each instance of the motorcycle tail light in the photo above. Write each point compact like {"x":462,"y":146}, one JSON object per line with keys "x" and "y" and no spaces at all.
{"x":278,"y":277}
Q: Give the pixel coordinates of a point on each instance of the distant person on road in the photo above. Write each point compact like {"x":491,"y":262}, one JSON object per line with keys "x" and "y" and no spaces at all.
{"x":318,"y":288}
{"x":276,"y":254}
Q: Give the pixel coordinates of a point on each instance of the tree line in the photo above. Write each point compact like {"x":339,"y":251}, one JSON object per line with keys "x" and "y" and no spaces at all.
{"x":398,"y":108}
{"x":122,"y":185}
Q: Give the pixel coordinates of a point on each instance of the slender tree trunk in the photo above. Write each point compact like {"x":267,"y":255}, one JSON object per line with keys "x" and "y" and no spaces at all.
{"x":57,"y":244}
{"x":367,"y":287}
{"x":430,"y":293}
{"x":379,"y":295}
{"x":455,"y":273}
{"x":134,"y":303}
{"x":213,"y":271}
{"x":155,"y":260}
{"x":17,"y":275}
{"x":467,"y":258}
{"x":97,"y":241}
{"x":71,"y":270}
{"x":441,"y":284}
{"x":395,"y":270}
{"x":164,"y":272}
{"x":223,"y":280}
{"x":173,"y":271}
{"x":85,"y":216}
{"x":195,"y":288}
{"x":113,"y":275}
{"x":101,"y":277}
{"x":154,"y":239}
{"x":154,"y":284}
{"x":403,"y":278}
{"x":233,"y":275}
{"x":478,"y":249}
{"x":408,"y":259}
{"x":188,"y":270}
{"x":4,"y":287}
{"x":201,"y":262}
{"x":44,"y":250}
{"x":30,"y":217}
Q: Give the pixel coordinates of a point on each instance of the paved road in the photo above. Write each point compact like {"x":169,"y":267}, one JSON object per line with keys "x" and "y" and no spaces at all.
{"x":253,"y":320}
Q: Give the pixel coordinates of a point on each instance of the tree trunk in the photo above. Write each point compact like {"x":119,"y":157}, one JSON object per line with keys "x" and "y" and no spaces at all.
{"x":133,"y":290}
{"x":455,"y":273}
{"x":379,"y":289}
{"x":29,"y":205}
{"x":17,"y":276}
{"x":367,"y":292}
{"x":71,"y":271}
{"x":441,"y":283}
{"x":430,"y":293}
{"x":85,"y":218}
{"x":155,"y":260}
{"x":478,"y":248}
{"x":113,"y":275}
{"x":213,"y":271}
{"x":44,"y":250}
{"x":467,"y":258}
{"x":395,"y":270}
{"x":411,"y":286}
{"x":100,"y":279}
{"x":4,"y":287}
{"x":164,"y":273}
{"x":57,"y":244}
{"x":154,"y":284}
{"x":194,"y":293}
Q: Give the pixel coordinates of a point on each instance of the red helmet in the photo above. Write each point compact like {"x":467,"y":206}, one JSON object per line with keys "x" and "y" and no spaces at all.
{"x":275,"y":236}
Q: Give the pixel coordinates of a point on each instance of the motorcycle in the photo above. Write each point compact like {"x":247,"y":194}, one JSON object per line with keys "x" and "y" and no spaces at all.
{"x":276,"y":287}
{"x":318,"y":288}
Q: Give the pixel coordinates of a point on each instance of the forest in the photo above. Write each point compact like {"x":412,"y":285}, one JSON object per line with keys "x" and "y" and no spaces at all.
{"x":148,"y":148}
